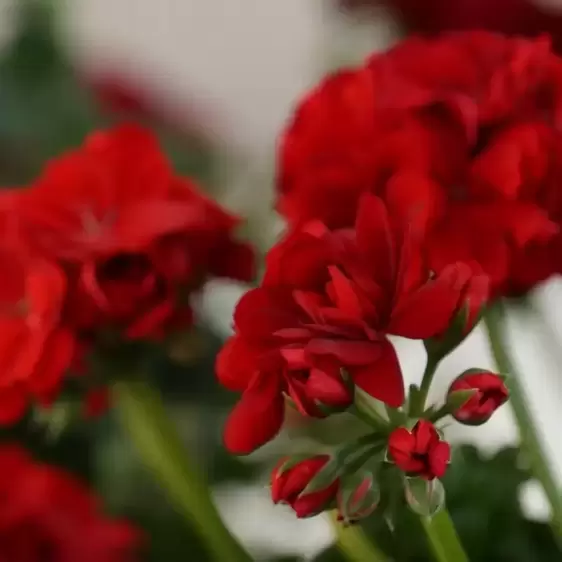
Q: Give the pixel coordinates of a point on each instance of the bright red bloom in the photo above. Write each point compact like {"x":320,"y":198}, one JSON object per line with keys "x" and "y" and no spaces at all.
{"x":490,"y":393}
{"x":458,"y":134}
{"x":131,"y":236}
{"x":327,"y":301}
{"x":46,"y":514}
{"x":35,"y":350}
{"x":288,"y":484}
{"x":419,"y":452}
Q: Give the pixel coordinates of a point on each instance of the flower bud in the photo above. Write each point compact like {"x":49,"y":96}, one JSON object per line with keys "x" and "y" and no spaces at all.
{"x":357,"y":498}
{"x":489,"y":394}
{"x":290,"y":479}
{"x":474,"y":294}
{"x":424,"y":497}
{"x":419,"y":452}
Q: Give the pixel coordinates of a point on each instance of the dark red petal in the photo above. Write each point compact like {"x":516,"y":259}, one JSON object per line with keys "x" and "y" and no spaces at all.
{"x":258,"y":416}
{"x":383,"y":378}
{"x":348,"y":352}
{"x":374,"y":237}
{"x":13,"y":404}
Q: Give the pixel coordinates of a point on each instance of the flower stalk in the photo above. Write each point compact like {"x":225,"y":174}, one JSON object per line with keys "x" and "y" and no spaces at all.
{"x":354,"y":544}
{"x":443,"y":538}
{"x":529,"y":434}
{"x":143,"y":415}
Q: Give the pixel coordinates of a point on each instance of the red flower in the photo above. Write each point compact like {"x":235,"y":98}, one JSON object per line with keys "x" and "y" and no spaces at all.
{"x":35,"y":350}
{"x":420,"y":451}
{"x":327,"y":301}
{"x":131,"y":236}
{"x":289,"y":483}
{"x":48,"y":515}
{"x":457,"y":134}
{"x":490,"y":393}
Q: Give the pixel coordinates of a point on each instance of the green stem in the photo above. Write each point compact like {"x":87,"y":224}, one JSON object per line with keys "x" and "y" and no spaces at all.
{"x":354,"y":545}
{"x":143,"y":415}
{"x":418,"y":406}
{"x":530,"y":440}
{"x":443,"y":538}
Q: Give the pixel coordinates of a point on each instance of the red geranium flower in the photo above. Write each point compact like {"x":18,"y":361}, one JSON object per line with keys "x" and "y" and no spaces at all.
{"x":327,"y":301}
{"x":458,"y":134}
{"x":48,"y":515}
{"x":419,"y":452}
{"x":131,"y":236}
{"x":35,"y":350}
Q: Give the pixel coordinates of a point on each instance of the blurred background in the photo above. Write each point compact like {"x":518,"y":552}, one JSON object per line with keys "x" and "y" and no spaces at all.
{"x":216,"y":80}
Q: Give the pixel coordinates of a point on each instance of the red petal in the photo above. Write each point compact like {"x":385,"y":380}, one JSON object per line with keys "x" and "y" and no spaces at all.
{"x":348,"y":352}
{"x":401,"y":444}
{"x":428,"y":311}
{"x":328,"y":388}
{"x":236,"y":363}
{"x":383,"y":378}
{"x":439,"y":457}
{"x":425,"y":434}
{"x":374,"y":236}
{"x":263,"y":311}
{"x":258,"y":416}
{"x":13,"y":404}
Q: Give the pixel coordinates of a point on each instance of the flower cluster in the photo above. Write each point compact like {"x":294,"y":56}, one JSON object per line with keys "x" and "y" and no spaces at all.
{"x":46,"y":514}
{"x":417,"y":188}
{"x":106,"y":246}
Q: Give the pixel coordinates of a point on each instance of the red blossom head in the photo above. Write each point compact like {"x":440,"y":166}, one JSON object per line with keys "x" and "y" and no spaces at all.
{"x":133,"y":238}
{"x":319,"y":322}
{"x":490,"y":393}
{"x":419,"y":452}
{"x":491,"y":104}
{"x":289,"y":480}
{"x":47,"y":514}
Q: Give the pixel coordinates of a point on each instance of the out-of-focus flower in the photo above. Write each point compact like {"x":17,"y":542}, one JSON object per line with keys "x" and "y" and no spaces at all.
{"x":107,"y":245}
{"x":320,"y":319}
{"x":35,"y":349}
{"x":514,"y":17}
{"x":419,"y":452}
{"x":46,"y":514}
{"x":289,"y":480}
{"x":490,"y":393}
{"x":133,"y":238}
{"x":357,"y":497}
{"x":458,"y":134}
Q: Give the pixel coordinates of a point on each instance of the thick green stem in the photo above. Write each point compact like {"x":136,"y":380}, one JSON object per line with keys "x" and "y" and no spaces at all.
{"x":443,"y":538}
{"x":354,"y":545}
{"x":530,"y":439}
{"x":143,"y":415}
